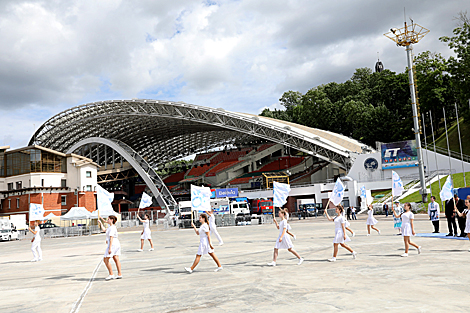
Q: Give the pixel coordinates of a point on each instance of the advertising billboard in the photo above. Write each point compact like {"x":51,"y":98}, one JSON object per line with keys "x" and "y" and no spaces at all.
{"x":399,"y":154}
{"x":226,"y":192}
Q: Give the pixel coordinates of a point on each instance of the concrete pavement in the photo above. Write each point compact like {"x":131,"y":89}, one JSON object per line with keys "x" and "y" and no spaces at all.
{"x":71,"y":276}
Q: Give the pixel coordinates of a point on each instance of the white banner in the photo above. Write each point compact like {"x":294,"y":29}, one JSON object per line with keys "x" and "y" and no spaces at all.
{"x":397,"y":185}
{"x":36,"y":212}
{"x":338,"y":193}
{"x":280,"y":193}
{"x":145,"y":201}
{"x":104,"y":200}
{"x":447,"y":191}
{"x":200,"y":198}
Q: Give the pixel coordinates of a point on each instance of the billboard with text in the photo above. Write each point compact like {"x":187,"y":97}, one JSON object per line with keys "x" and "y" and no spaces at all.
{"x":399,"y":154}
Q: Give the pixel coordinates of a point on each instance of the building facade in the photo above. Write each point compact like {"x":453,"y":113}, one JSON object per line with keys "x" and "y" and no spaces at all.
{"x":56,"y":180}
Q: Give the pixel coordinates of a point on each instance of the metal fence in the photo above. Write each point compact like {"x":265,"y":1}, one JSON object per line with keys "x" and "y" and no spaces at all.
{"x":70,"y":231}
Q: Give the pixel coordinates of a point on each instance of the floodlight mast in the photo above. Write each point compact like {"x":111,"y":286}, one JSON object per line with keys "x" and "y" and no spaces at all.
{"x":405,"y":37}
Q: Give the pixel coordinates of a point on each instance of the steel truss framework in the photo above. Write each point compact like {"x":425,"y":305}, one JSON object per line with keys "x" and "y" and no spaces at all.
{"x":162,"y":131}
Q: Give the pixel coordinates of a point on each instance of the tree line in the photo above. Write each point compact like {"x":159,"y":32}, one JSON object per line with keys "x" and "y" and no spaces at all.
{"x":376,"y":106}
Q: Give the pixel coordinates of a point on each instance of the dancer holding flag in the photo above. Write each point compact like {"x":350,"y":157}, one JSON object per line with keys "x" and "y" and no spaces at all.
{"x":407,"y":228}
{"x":340,"y":233}
{"x":283,"y":242}
{"x":280,"y":194}
{"x":145,"y":202}
{"x":36,"y":213}
{"x":397,"y":190}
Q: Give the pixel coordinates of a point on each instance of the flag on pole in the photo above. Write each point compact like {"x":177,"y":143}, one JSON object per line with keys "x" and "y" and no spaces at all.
{"x":200,"y":199}
{"x":363,"y":192}
{"x":145,"y":201}
{"x":338,"y":193}
{"x":104,"y":199}
{"x":36,"y":212}
{"x":447,"y":191}
{"x":397,"y":185}
{"x":281,"y":192}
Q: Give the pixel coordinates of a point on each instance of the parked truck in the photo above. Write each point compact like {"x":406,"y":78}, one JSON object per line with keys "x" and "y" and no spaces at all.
{"x":8,"y":231}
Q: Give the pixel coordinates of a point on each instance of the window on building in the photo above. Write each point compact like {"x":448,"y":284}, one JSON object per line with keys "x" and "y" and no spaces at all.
{"x":89,"y":188}
{"x":63,"y":200}
{"x":10,"y":186}
{"x":9,"y":203}
{"x":88,"y":174}
{"x":42,"y":182}
{"x":63,"y":183}
{"x":34,"y":161}
{"x":19,"y":185}
{"x":18,"y":203}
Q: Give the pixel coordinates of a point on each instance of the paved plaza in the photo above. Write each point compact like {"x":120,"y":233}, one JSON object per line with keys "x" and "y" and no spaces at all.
{"x":71,"y":276}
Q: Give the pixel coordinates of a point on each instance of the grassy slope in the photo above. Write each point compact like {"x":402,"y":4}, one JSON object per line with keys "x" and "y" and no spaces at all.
{"x":454,"y":138}
{"x":458,"y":182}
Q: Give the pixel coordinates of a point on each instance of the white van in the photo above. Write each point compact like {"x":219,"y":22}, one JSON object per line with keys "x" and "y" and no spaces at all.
{"x":7,"y":230}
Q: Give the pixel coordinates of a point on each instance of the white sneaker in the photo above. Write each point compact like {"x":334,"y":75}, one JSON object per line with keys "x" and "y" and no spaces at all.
{"x":419,"y":250}
{"x":140,"y":250}
{"x":354,"y":234}
{"x":218,"y":269}
{"x":368,"y":235}
{"x":110,"y":277}
{"x":272,"y":263}
{"x":188,"y":269}
{"x":119,"y":277}
{"x":34,"y":260}
{"x":295,"y":237}
{"x":404,"y":255}
{"x":221,"y":243}
{"x":378,"y":232}
{"x":301,"y":260}
{"x":332,"y":260}
{"x":354,"y":254}
{"x":151,"y":249}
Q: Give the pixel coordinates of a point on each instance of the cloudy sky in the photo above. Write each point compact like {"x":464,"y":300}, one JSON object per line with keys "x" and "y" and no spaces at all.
{"x":237,"y":55}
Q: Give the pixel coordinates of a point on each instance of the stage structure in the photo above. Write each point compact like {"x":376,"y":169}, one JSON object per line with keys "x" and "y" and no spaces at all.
{"x":151,"y":133}
{"x":406,"y":37}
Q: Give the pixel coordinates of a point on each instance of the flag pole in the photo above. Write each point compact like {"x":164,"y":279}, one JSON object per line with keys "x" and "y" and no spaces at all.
{"x":435,"y":157}
{"x":460,"y":144}
{"x":448,"y":148}
{"x":426,"y":145}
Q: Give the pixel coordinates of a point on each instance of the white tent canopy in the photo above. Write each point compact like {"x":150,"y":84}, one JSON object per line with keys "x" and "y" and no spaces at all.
{"x":50,"y":216}
{"x":76,"y":213}
{"x":103,"y":213}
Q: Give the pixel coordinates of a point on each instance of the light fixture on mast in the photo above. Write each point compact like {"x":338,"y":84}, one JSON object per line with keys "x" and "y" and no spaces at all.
{"x":405,"y":37}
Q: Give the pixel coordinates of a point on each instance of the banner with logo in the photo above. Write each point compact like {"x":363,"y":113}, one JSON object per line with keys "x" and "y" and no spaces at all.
{"x":399,"y":154}
{"x":36,"y":212}
{"x":200,"y":198}
{"x":226,"y":192}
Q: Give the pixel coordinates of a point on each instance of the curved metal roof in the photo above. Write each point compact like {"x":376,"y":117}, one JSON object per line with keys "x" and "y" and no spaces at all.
{"x":161,"y":131}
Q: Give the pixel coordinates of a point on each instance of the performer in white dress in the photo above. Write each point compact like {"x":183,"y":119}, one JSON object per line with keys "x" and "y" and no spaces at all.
{"x":205,"y":244}
{"x":283,"y":242}
{"x":340,"y":233}
{"x":36,"y":242}
{"x":371,"y":221}
{"x":146,"y":233}
{"x":466,"y":213}
{"x":347,"y":224}
{"x":213,"y":227}
{"x":113,"y":250}
{"x":288,"y":226}
{"x":396,"y":217}
{"x":407,"y":228}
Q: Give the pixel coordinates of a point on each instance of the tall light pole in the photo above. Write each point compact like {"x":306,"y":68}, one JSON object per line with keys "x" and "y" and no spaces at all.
{"x":405,"y":37}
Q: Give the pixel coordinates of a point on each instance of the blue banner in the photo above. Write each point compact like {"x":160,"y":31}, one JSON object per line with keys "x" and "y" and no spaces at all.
{"x":226,"y":192}
{"x":399,"y":154}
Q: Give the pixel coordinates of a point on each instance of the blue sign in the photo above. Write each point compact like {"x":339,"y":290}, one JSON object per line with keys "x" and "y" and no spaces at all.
{"x":399,"y":154}
{"x":226,"y":192}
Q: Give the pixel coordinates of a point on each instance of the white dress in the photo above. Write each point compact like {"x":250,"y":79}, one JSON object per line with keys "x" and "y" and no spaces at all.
{"x":467,"y":223}
{"x":371,"y":219}
{"x":346,"y":222}
{"x":147,"y":234}
{"x":116,"y":247}
{"x":213,"y":228}
{"x":406,"y":223}
{"x":287,"y":219}
{"x":339,"y":234}
{"x":36,"y":244}
{"x":204,"y":247}
{"x":286,"y":243}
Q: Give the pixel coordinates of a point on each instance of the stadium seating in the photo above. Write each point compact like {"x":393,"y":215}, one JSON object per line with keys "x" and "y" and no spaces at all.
{"x":198,"y":171}
{"x":281,"y":164}
{"x":220,"y":167}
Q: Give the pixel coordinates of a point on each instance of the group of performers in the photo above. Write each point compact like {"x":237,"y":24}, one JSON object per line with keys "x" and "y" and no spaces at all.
{"x":403,"y":220}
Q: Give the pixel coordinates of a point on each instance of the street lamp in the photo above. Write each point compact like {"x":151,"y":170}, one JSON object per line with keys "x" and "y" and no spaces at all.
{"x":405,"y":37}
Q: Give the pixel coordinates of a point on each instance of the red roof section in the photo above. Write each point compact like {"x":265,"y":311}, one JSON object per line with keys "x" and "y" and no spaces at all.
{"x":220,"y":167}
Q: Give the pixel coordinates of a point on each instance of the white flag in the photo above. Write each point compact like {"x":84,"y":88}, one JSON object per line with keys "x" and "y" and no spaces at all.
{"x":104,"y":200}
{"x":200,"y":199}
{"x":447,"y":191}
{"x":145,"y":201}
{"x":338,"y":193}
{"x":363,"y":192}
{"x":397,"y":185}
{"x":281,"y":192}
{"x":36,"y":212}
